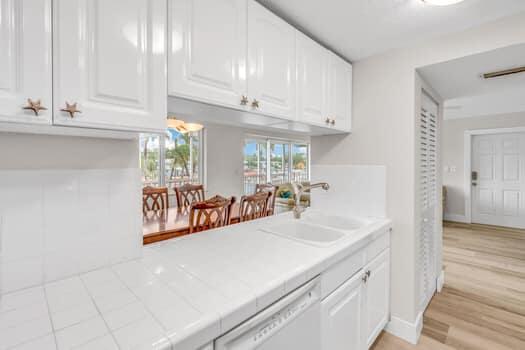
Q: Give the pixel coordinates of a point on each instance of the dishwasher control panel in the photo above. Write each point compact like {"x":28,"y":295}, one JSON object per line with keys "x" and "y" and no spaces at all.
{"x":274,"y":320}
{"x":282,"y":317}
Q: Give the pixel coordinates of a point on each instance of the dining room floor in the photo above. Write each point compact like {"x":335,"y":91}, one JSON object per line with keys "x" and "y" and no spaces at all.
{"x":482,"y":304}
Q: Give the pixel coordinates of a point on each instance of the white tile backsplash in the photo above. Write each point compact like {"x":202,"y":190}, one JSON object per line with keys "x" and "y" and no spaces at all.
{"x":59,"y":223}
{"x":354,"y":189}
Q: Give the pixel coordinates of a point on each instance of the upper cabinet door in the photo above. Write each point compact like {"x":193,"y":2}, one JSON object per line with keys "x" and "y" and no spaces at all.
{"x":25,"y":61}
{"x":110,"y":64}
{"x":312,"y":79}
{"x":271,"y":63}
{"x":340,"y":93}
{"x":207,"y":50}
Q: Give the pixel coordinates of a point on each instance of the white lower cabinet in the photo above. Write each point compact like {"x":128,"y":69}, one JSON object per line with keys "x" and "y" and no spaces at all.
{"x":377,"y":296}
{"x":355,"y":313}
{"x":342,"y":316}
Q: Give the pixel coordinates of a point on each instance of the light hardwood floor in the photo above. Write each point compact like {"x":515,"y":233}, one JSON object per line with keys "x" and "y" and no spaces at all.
{"x":482,"y":305}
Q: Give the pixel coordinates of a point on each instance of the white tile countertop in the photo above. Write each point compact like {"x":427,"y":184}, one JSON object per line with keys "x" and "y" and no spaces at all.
{"x":181,"y":294}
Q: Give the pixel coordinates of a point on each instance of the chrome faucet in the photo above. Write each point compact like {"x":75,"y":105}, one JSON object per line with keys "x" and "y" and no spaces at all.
{"x":298,"y":190}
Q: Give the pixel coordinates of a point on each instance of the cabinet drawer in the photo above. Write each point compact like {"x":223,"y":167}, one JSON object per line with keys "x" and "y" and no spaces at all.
{"x":340,"y":272}
{"x":377,"y":246}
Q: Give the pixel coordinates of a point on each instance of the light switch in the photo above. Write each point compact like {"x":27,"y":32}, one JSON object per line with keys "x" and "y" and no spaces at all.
{"x":453,"y":169}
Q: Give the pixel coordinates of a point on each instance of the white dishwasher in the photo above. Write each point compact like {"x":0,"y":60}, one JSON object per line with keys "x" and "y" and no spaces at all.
{"x":293,"y":322}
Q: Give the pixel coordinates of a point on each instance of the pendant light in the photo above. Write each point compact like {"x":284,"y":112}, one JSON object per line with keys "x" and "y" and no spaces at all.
{"x":183,"y":127}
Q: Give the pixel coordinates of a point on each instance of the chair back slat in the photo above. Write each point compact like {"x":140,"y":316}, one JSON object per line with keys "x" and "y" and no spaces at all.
{"x":154,"y":199}
{"x":212,"y":213}
{"x":268,"y":188}
{"x":254,"y":206}
{"x":188,"y":194}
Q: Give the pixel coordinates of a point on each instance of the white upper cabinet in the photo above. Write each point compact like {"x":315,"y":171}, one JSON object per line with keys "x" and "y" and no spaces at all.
{"x":207,"y":50}
{"x":110,"y":64}
{"x":271,"y":63}
{"x":25,"y":61}
{"x":312,"y":81}
{"x":340,"y":93}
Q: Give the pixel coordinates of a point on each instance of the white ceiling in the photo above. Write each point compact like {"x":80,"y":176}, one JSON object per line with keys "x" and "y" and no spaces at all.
{"x":468,"y":94}
{"x":462,"y":77}
{"x":360,"y":28}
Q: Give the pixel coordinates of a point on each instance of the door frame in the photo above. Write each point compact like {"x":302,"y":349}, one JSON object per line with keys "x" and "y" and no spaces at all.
{"x":467,"y":149}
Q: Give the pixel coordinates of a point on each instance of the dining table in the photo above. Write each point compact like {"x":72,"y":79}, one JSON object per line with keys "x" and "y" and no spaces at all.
{"x":173,"y":222}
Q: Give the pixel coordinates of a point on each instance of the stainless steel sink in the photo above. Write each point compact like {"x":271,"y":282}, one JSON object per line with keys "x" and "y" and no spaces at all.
{"x":306,"y":232}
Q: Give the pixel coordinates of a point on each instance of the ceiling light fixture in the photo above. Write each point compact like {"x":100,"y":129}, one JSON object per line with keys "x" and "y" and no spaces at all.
{"x":183,"y":127}
{"x":442,"y":2}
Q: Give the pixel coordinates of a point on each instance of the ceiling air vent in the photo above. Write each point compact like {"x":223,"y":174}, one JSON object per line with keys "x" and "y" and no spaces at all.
{"x":502,"y":73}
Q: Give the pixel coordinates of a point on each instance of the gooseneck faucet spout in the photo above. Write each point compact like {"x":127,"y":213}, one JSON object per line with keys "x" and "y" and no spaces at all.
{"x":298,"y":190}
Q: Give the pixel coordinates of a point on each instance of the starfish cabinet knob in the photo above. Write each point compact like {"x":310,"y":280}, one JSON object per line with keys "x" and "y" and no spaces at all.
{"x":35,"y":106}
{"x":71,"y":109}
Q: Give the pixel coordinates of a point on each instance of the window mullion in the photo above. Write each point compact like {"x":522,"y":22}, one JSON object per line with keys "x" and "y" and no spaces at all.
{"x":162,"y":160}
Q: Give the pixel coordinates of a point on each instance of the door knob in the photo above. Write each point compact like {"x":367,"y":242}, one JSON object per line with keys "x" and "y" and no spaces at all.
{"x":364,"y":278}
{"x":255,"y":103}
{"x":332,"y":122}
{"x":71,"y":109}
{"x":35,"y":106}
{"x":244,"y":100}
{"x":327,"y":121}
{"x":474,"y":184}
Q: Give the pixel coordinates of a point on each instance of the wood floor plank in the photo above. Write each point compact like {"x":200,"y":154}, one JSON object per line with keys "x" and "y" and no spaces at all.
{"x":482,"y":305}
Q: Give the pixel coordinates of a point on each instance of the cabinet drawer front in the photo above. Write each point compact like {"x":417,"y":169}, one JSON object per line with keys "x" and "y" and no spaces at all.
{"x":341,"y":272}
{"x":377,"y":246}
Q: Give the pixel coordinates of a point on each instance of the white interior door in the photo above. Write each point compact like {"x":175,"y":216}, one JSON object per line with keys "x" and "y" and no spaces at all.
{"x":428,"y":135}
{"x":498,"y":181}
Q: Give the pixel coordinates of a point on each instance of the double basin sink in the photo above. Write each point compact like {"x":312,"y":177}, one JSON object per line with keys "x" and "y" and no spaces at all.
{"x":318,"y":228}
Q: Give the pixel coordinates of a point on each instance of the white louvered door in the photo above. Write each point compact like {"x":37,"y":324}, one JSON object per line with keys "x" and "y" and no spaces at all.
{"x":428,"y":198}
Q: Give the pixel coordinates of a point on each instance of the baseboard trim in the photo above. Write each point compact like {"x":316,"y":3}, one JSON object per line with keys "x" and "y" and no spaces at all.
{"x":440,"y":281}
{"x":406,"y":330}
{"x":456,"y":218}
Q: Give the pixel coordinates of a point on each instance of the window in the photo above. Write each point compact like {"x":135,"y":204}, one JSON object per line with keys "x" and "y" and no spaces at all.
{"x":172,"y":159}
{"x":274,"y":161}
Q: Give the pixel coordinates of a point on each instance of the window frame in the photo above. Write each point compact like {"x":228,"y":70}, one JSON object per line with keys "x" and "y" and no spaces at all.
{"x":290,"y":142}
{"x":162,"y":157}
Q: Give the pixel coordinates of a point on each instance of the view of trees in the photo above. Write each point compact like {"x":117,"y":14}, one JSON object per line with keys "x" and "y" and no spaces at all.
{"x":181,"y":160}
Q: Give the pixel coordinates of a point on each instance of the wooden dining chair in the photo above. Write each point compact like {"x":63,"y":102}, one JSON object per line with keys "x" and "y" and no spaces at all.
{"x":188,"y":194}
{"x":254,"y":206}
{"x":154,"y":199}
{"x":211,"y":213}
{"x":271,"y":201}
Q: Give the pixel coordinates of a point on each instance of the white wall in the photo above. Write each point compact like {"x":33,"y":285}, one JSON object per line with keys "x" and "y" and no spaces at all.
{"x":453,"y":155}
{"x":67,"y":205}
{"x":225,"y":160}
{"x":356,"y":190}
{"x":384,"y":132}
